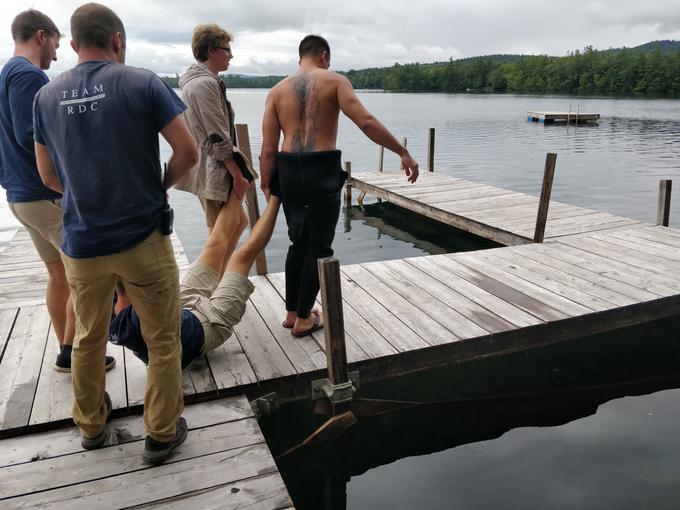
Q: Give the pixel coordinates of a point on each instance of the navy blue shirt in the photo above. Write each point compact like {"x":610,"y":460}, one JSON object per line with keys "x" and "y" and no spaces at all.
{"x":19,"y":82}
{"x":125,"y":330}
{"x":100,"y":122}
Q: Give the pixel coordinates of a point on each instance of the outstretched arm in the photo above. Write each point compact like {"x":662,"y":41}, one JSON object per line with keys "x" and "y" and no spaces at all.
{"x":372,"y":127}
{"x":271,"y":133}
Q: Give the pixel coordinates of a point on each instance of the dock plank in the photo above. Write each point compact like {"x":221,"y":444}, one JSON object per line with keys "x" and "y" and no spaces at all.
{"x":20,"y":366}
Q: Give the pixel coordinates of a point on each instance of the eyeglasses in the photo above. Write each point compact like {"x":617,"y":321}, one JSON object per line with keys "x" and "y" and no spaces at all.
{"x":225,"y":48}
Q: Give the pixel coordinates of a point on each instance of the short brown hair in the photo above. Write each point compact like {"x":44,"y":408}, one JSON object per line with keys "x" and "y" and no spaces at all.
{"x":207,"y":36}
{"x":313,"y":45}
{"x":92,"y":25}
{"x":27,"y":23}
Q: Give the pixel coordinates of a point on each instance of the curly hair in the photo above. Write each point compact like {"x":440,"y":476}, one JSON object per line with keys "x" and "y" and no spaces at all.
{"x":205,"y":37}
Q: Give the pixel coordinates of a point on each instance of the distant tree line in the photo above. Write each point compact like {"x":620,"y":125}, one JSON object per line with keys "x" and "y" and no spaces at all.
{"x":589,"y":72}
{"x":651,"y":70}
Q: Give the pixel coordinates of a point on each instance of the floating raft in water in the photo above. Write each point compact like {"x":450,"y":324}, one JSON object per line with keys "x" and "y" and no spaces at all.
{"x":566,"y":117}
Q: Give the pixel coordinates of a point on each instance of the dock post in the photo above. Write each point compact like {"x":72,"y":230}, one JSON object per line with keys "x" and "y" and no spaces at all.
{"x":404,"y":142}
{"x":334,"y":333}
{"x":542,"y":216}
{"x":381,"y":158}
{"x":663,"y":214}
{"x":243,"y":142}
{"x":430,"y":151}
{"x":348,"y":185}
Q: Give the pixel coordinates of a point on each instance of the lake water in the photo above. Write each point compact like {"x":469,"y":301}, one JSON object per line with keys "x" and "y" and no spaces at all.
{"x":622,"y":455}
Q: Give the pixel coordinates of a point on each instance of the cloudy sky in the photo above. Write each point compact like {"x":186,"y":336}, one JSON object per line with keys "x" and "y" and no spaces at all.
{"x":365,"y":33}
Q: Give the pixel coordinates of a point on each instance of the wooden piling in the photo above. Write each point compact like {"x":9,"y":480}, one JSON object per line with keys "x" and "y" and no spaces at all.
{"x":333,"y":321}
{"x":404,"y":142}
{"x":348,"y":184}
{"x":381,"y":158}
{"x":542,"y":216}
{"x":430,"y":151}
{"x":243,"y":143}
{"x":664,"y":211}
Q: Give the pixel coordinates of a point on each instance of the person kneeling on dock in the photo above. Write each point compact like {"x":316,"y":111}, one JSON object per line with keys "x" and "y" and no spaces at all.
{"x":212,"y":303}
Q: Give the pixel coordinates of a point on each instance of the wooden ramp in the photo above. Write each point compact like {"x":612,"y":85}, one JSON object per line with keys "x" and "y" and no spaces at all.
{"x":224,"y":463}
{"x":506,"y":217}
{"x":400,"y":316}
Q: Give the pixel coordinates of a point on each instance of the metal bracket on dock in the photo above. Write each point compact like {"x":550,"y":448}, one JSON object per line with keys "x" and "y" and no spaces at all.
{"x":265,"y":405}
{"x":336,"y":393}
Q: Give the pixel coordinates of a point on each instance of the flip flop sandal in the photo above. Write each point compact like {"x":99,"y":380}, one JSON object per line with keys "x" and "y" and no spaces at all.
{"x":315,"y":327}
{"x":290,"y":326}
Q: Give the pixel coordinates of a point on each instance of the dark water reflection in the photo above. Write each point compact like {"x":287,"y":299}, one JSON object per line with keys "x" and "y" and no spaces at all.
{"x":559,"y":427}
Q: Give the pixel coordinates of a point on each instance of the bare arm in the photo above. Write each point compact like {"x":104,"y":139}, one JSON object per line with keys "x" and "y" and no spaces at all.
{"x":46,"y":168}
{"x":184,"y":153}
{"x":372,"y":127}
{"x":271,"y":133}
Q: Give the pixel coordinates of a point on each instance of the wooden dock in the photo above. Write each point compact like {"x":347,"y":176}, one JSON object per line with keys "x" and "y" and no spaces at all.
{"x":504,"y":216}
{"x":563,"y":117}
{"x":595,"y":273}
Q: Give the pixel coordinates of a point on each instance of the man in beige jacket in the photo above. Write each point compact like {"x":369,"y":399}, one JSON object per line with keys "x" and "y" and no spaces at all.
{"x":211,"y":120}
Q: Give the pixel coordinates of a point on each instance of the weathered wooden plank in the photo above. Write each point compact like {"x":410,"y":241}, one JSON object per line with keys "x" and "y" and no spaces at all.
{"x":622,"y":267}
{"x":265,"y":492}
{"x":427,"y":328}
{"x":489,"y":304}
{"x":464,"y":194}
{"x":624,"y":293}
{"x":635,"y":251}
{"x":230,"y":366}
{"x":171,"y":479}
{"x":201,"y":376}
{"x":135,"y":376}
{"x":45,"y":445}
{"x":487,"y":204}
{"x":7,"y":318}
{"x":445,"y":313}
{"x":304,"y":353}
{"x":54,"y":395}
{"x":124,"y":458}
{"x":542,"y":288}
{"x":650,"y":246}
{"x":368,"y":340}
{"x":585,"y":291}
{"x":20,"y":366}
{"x":513,"y":290}
{"x":264,"y":353}
{"x":656,"y":234}
{"x":373,"y":311}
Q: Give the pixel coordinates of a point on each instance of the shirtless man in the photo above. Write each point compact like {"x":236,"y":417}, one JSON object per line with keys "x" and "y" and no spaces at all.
{"x":306,"y":107}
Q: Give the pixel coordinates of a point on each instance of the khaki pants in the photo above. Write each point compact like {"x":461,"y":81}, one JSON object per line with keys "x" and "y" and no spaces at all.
{"x":151,"y":278}
{"x":43,"y":221}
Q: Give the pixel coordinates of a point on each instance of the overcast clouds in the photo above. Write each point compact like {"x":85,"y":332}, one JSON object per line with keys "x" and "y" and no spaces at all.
{"x":365,"y":33}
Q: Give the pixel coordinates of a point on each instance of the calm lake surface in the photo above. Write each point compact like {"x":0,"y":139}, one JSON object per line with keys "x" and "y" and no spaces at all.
{"x":622,"y":454}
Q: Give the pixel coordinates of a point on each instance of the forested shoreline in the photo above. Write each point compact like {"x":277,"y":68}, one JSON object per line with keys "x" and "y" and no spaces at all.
{"x":652,"y":72}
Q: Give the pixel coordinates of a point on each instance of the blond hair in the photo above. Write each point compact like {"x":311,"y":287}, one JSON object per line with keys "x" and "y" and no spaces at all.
{"x":205,"y":37}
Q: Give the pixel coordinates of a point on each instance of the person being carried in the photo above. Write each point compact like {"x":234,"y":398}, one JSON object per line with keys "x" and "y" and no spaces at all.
{"x":213,"y":300}
{"x":306,"y":107}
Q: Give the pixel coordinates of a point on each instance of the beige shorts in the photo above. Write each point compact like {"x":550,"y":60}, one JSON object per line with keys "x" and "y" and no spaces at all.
{"x":43,"y":221}
{"x":212,"y":209}
{"x":218,"y":303}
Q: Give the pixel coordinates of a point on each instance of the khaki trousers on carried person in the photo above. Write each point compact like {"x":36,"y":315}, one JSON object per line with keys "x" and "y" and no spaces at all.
{"x":151,"y":278}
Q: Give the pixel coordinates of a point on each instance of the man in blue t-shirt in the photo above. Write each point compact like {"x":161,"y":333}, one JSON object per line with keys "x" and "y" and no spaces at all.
{"x":212,"y":301}
{"x":96,"y":138}
{"x":36,"y":207}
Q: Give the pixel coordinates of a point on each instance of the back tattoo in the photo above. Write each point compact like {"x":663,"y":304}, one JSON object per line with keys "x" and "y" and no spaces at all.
{"x":304,"y":138}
